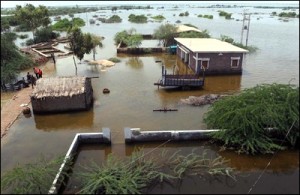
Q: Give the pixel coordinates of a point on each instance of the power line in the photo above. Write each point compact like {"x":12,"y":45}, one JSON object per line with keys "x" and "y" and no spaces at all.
{"x":270,"y":160}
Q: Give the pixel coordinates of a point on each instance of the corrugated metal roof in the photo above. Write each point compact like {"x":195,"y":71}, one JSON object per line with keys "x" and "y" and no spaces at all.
{"x":202,"y":45}
{"x":184,"y":28}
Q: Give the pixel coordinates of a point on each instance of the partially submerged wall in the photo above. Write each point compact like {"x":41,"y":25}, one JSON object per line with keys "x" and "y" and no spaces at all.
{"x":80,"y":138}
{"x":136,"y":135}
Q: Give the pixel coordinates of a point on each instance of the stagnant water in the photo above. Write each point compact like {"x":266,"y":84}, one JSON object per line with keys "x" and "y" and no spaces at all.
{"x":133,"y":97}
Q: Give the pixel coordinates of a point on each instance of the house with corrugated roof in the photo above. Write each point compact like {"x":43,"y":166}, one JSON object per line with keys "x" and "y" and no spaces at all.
{"x":211,"y":55}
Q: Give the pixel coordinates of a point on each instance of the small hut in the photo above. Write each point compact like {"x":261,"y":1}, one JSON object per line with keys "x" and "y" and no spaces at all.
{"x":62,"y":94}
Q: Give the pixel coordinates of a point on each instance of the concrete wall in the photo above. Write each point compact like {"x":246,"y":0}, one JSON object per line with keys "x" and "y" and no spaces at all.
{"x":136,"y":135}
{"x":80,"y":138}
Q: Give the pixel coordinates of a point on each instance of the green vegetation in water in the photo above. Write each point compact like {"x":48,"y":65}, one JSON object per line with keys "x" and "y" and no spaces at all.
{"x":137,"y":18}
{"x":184,"y":14}
{"x":194,"y":34}
{"x":23,"y":36}
{"x":206,"y":16}
{"x":128,"y":38}
{"x":44,"y":34}
{"x":113,"y":19}
{"x":115,"y":60}
{"x":288,"y":15}
{"x":245,"y":119}
{"x":158,"y":17}
{"x":65,"y":24}
{"x":132,"y":175}
{"x":227,"y":15}
{"x":135,"y":173}
{"x":165,"y":33}
{"x":228,"y":39}
{"x":34,"y":178}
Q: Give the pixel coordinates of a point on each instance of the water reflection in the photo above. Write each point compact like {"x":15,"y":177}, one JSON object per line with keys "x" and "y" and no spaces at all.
{"x":135,"y":62}
{"x":57,"y":122}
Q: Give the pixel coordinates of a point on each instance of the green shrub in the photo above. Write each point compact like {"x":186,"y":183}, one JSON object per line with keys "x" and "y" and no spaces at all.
{"x":244,"y":119}
{"x":23,"y":36}
{"x":137,"y":18}
{"x":158,"y":17}
{"x":115,"y":60}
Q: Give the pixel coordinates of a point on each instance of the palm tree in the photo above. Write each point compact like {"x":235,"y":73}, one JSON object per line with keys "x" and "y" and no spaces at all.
{"x":96,"y":41}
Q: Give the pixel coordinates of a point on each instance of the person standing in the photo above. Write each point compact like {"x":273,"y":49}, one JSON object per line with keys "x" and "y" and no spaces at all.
{"x":53,"y":57}
{"x":33,"y":80}
{"x":36,"y":72}
{"x":28,"y":77}
{"x":40,"y":72}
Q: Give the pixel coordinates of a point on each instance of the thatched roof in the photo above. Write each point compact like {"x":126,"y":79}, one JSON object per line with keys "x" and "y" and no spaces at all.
{"x":59,"y":86}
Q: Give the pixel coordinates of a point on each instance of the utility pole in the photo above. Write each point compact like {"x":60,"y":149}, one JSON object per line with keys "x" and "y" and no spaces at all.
{"x":246,"y":17}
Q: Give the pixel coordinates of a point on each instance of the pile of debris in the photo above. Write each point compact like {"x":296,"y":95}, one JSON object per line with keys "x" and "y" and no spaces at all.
{"x":202,"y":100}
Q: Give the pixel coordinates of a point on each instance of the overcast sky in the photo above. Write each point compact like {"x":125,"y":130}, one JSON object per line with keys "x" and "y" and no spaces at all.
{"x":5,"y":4}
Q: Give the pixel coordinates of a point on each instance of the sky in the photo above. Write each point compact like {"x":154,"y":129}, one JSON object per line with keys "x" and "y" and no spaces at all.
{"x":5,"y":4}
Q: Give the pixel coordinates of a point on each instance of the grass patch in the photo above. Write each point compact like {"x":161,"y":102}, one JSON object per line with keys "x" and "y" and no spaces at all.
{"x":134,"y":174}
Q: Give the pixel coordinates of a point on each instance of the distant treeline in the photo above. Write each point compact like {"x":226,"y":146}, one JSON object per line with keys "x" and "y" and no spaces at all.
{"x":274,"y":7}
{"x":54,"y":11}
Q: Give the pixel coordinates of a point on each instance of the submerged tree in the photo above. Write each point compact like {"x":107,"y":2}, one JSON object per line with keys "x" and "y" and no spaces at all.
{"x":96,"y":41}
{"x":33,"y":17}
{"x":76,"y":43}
{"x":128,"y":38}
{"x":166,"y":34}
{"x":257,"y":119}
{"x":228,"y":39}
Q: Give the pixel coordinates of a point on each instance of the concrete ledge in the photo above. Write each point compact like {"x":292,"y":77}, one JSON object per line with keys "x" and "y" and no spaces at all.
{"x":136,"y":135}
{"x":80,"y":138}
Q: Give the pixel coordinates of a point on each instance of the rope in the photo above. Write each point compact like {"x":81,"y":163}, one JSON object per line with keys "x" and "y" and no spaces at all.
{"x":270,"y":160}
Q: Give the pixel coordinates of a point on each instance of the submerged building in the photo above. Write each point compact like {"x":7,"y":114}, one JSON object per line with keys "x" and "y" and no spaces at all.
{"x":213,"y":56}
{"x":62,"y":94}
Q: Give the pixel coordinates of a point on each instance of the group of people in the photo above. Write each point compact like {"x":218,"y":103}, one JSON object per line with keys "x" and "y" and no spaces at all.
{"x":32,"y":79}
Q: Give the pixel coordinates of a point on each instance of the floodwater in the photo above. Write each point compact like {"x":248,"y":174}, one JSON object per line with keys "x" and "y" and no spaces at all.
{"x":133,"y":97}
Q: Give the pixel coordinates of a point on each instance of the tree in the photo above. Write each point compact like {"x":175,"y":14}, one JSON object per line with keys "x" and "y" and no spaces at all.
{"x":113,"y":9}
{"x":76,"y":43}
{"x":96,"y":41}
{"x":194,"y":34}
{"x":33,"y":17}
{"x":165,"y":33}
{"x":12,"y":61}
{"x":43,"y":35}
{"x":128,"y":38}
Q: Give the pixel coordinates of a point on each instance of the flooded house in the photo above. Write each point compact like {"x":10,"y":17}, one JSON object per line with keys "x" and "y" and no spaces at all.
{"x":213,"y":56}
{"x":62,"y":94}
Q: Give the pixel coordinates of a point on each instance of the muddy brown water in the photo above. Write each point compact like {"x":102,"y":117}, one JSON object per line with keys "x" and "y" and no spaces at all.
{"x":133,"y":97}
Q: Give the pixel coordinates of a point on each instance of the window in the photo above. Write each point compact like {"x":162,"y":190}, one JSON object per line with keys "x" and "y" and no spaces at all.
{"x":204,"y":63}
{"x":235,"y":62}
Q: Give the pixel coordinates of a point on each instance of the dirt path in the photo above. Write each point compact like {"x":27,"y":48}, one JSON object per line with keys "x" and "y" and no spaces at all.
{"x":12,"y":109}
